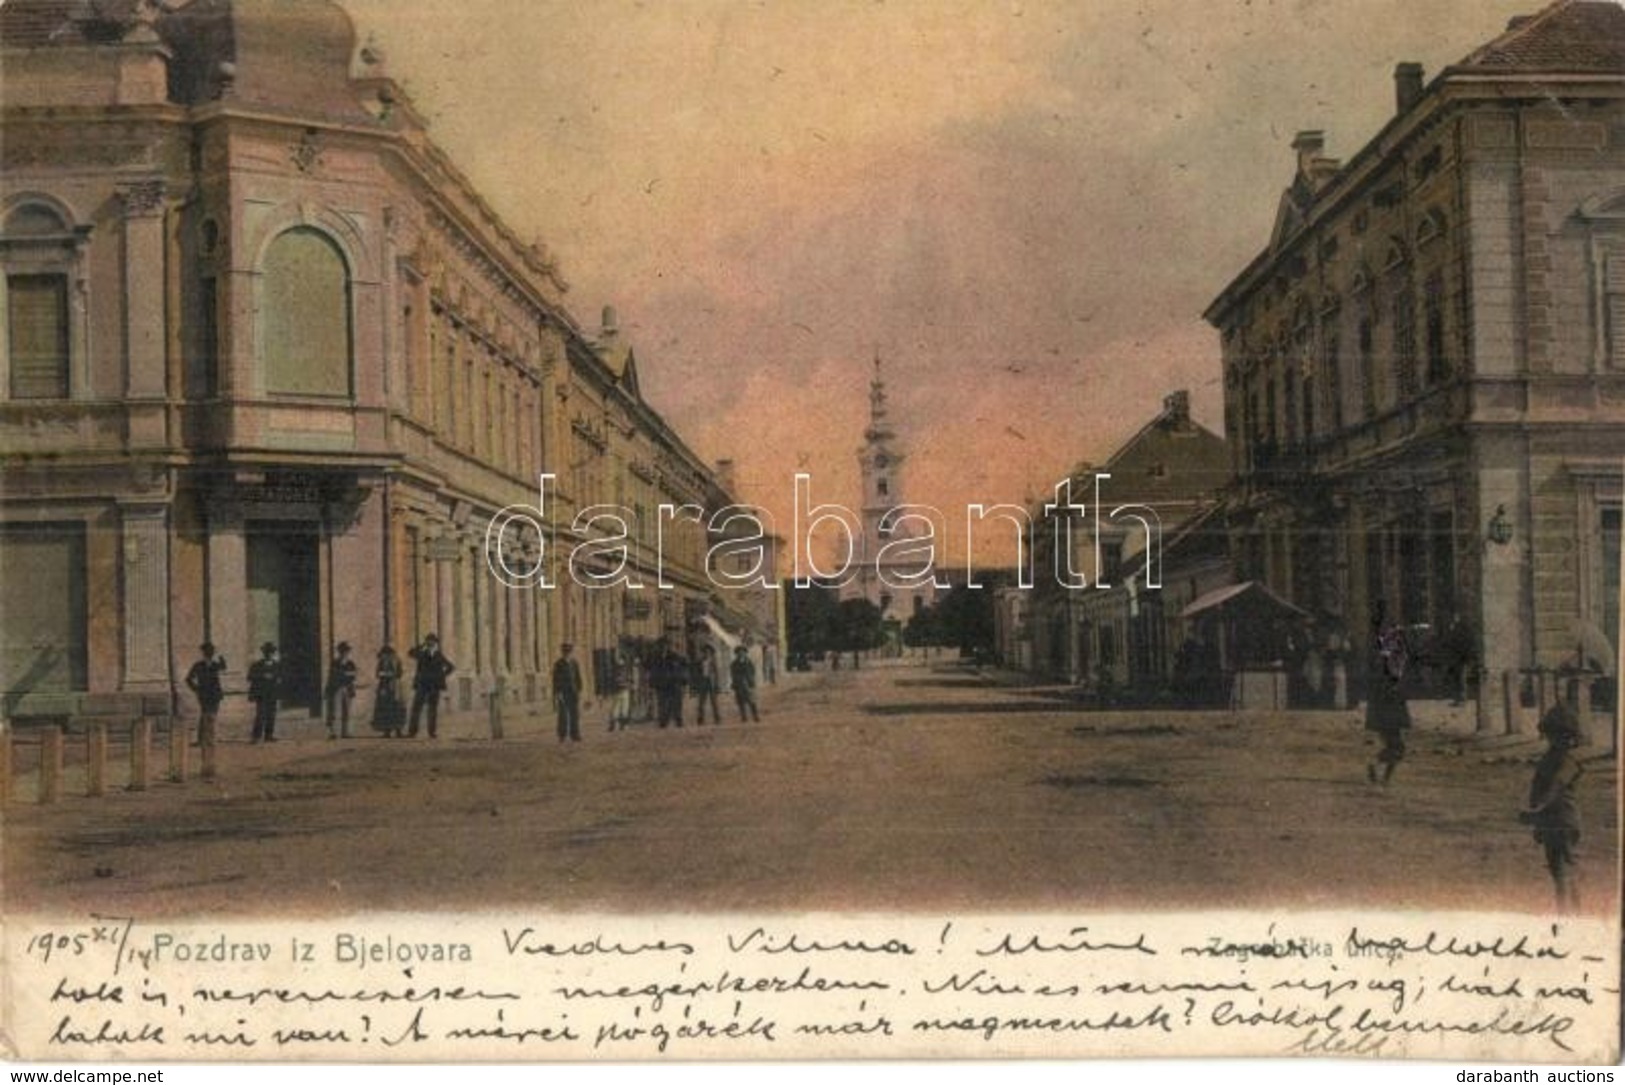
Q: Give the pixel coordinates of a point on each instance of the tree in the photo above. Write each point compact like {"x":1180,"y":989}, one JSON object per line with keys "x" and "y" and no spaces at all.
{"x":962,"y":618}
{"x":813,"y":617}
{"x":860,"y":626}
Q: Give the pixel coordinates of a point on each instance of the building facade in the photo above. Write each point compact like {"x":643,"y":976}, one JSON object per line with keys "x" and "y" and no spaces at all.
{"x":272,"y":367}
{"x":1425,"y":368}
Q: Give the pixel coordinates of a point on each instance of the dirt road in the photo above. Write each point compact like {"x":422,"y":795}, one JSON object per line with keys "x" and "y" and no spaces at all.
{"x":886,"y":788}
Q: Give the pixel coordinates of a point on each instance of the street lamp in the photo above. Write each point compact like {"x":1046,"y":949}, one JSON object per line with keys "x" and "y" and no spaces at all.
{"x":1499,"y":530}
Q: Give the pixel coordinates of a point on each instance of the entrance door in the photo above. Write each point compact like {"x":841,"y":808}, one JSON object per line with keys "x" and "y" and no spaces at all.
{"x":42,"y":604}
{"x":284,"y":606}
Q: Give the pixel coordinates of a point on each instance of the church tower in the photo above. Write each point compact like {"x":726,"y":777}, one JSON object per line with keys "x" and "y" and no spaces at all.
{"x":880,"y":460}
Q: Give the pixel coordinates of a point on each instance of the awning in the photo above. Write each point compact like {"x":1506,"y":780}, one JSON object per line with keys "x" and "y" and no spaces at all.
{"x":1247,"y":593}
{"x":1594,"y":647}
{"x":720,"y":632}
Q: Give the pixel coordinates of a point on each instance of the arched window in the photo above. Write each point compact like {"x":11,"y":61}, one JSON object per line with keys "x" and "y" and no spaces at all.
{"x":306,"y":316}
{"x":38,"y":332}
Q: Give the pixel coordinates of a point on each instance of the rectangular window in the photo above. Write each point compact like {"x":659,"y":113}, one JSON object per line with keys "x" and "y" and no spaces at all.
{"x":1291,"y":404}
{"x":1404,"y":340}
{"x":209,"y":336}
{"x":408,"y":362}
{"x":1334,"y":378}
{"x":1368,"y":371}
{"x":1443,"y":589}
{"x":1438,"y":366}
{"x":1308,"y":410}
{"x":1609,"y":522}
{"x":1613,"y":308}
{"x":37,"y":311}
{"x":1268,"y":451}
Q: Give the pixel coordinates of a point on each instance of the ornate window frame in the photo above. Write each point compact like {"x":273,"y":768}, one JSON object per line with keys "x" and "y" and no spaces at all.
{"x":58,"y":250}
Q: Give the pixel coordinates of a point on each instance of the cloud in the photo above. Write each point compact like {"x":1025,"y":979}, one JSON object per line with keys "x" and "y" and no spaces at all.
{"x":1023,"y":207}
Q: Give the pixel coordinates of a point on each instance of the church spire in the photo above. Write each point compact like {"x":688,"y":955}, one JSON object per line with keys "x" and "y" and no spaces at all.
{"x":879,"y":424}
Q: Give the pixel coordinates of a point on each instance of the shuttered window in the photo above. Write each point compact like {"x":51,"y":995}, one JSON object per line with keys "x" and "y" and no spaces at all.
{"x":37,"y":322}
{"x":307,"y":316}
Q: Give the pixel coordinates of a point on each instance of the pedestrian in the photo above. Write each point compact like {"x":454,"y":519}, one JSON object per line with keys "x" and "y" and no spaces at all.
{"x":1458,"y":650}
{"x":340,"y":691}
{"x":620,"y":691}
{"x":743,"y":674}
{"x":1552,"y":809}
{"x":428,"y":684}
{"x":264,"y":686}
{"x":567,"y":693}
{"x":668,"y":676}
{"x":388,"y":710}
{"x":704,"y":680}
{"x":204,"y":682}
{"x":1386,"y":712}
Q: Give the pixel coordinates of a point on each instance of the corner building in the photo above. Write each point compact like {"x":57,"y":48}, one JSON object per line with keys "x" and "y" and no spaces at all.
{"x":1425,"y":369}
{"x":270,"y":367}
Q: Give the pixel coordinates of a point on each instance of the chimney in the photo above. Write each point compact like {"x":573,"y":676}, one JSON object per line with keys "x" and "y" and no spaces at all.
{"x":1517,"y":21}
{"x":609,"y":324}
{"x":725,"y":476}
{"x":1308,"y":144}
{"x":1176,"y":407}
{"x":1407,"y":85}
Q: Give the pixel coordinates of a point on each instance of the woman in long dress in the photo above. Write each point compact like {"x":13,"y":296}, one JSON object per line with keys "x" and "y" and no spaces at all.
{"x":388,"y":710}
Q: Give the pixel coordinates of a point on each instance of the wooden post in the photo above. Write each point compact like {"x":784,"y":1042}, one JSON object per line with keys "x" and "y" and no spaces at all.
{"x":96,"y":758}
{"x":177,"y":751}
{"x":50,"y":765}
{"x":5,"y":761}
{"x":140,"y":754}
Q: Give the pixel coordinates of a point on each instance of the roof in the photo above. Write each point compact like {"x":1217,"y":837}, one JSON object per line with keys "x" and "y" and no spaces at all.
{"x":1171,"y":459}
{"x":1570,"y":36}
{"x":31,"y":24}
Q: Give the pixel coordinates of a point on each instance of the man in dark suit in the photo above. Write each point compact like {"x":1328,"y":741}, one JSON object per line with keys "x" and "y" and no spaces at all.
{"x":264,"y":687}
{"x":567,"y":693}
{"x":743,"y":673}
{"x":428,"y":683}
{"x":340,"y":691}
{"x":204,"y":682}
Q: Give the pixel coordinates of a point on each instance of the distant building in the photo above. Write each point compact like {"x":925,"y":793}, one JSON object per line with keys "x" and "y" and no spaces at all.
{"x":1115,"y":627}
{"x":888,"y":572}
{"x":1012,"y":635}
{"x":1425,"y":368}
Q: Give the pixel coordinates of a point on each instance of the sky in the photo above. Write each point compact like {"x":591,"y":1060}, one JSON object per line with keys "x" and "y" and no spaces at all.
{"x":1022,"y":207}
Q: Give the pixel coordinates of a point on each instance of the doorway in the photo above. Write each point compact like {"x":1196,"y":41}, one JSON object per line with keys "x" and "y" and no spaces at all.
{"x":284,"y":606}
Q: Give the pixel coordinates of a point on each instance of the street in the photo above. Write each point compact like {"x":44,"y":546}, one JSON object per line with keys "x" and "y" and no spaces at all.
{"x":887,"y":788}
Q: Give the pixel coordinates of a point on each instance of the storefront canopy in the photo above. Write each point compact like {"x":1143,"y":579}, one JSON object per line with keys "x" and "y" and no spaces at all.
{"x":1252,"y":595}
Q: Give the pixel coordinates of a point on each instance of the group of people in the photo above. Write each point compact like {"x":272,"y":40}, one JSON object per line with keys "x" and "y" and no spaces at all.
{"x":669,"y":675}
{"x":1551,"y":811}
{"x":265,"y":689}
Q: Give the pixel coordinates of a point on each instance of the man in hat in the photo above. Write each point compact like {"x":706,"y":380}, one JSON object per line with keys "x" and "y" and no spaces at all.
{"x":204,"y":682}
{"x":567,"y":693}
{"x":743,"y":674}
{"x":1386,"y":712}
{"x":264,"y":686}
{"x":340,"y":690}
{"x":704,"y":679}
{"x":428,"y":683}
